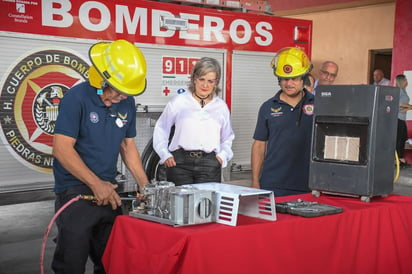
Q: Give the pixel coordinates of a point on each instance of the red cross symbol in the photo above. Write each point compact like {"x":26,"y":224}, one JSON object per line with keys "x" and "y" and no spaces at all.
{"x":166,"y":91}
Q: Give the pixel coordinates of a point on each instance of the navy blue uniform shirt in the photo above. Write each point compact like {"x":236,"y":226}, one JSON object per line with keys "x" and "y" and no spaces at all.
{"x":98,"y":131}
{"x":288,"y":132}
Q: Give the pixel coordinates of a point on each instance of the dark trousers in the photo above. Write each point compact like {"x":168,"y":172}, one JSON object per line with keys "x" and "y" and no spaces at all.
{"x":286,"y":192}
{"x":401,"y":137}
{"x":194,"y":167}
{"x":83,"y":231}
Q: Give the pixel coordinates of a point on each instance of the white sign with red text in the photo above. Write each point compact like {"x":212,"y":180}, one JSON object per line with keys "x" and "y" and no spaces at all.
{"x":141,"y":22}
{"x":176,"y":73}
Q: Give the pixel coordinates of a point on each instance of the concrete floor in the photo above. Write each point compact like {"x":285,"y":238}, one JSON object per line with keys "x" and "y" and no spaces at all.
{"x":23,"y":226}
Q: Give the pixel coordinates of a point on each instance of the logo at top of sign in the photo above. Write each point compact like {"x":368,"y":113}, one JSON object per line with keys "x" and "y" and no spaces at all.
{"x":30,"y":95}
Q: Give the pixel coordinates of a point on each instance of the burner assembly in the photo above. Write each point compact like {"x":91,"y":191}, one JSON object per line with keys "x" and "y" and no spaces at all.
{"x":353,"y":140}
{"x":166,"y":203}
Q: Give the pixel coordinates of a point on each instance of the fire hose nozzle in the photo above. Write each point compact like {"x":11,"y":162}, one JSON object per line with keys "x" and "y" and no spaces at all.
{"x":88,"y":197}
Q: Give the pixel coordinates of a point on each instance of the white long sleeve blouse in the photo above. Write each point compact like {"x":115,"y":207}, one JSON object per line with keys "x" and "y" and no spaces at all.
{"x":196,"y":128}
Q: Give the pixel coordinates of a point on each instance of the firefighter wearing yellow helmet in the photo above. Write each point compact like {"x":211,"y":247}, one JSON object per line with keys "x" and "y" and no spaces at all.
{"x":96,"y":123}
{"x":291,"y":63}
{"x":119,"y":64}
{"x":282,"y":138}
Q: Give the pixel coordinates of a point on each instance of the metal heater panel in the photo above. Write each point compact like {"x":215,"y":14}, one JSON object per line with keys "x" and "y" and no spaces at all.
{"x":353,"y":140}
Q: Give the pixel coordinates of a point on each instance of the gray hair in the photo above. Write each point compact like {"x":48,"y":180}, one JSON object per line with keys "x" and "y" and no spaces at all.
{"x":202,"y":67}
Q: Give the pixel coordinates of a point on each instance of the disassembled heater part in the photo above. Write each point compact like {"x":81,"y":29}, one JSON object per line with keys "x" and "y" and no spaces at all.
{"x":166,"y":203}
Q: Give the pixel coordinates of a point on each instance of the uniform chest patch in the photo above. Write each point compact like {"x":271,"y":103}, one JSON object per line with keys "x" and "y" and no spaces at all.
{"x":276,"y":111}
{"x":123,"y":118}
{"x":308,"y":109}
{"x":94,"y":117}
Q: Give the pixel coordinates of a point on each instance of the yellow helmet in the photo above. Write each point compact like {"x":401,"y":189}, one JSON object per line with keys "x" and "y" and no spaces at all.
{"x":121,"y":64}
{"x":290,"y":63}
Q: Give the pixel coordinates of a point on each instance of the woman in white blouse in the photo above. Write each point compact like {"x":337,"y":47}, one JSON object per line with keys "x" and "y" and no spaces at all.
{"x":201,"y":144}
{"x":402,"y":131}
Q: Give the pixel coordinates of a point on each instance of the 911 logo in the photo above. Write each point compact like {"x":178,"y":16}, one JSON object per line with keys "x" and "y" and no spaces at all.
{"x":29,"y":101}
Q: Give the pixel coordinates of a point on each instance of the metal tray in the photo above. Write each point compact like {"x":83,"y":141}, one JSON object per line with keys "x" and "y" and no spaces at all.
{"x":307,"y":208}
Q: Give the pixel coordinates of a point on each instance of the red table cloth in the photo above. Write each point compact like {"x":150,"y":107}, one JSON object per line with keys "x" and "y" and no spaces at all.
{"x":373,"y":237}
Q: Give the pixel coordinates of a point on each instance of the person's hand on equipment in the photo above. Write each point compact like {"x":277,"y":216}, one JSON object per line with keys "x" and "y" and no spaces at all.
{"x":106,"y":194}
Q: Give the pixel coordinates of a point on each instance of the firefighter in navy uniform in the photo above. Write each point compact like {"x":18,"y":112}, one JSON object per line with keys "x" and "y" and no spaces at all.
{"x":282,"y":138}
{"x":96,"y":122}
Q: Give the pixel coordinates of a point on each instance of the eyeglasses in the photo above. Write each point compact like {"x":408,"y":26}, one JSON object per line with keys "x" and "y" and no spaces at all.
{"x":333,"y":75}
{"x":207,"y":81}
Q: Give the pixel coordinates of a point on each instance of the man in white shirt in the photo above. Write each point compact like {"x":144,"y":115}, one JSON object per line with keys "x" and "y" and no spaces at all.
{"x":327,"y":74}
{"x":379,"y":78}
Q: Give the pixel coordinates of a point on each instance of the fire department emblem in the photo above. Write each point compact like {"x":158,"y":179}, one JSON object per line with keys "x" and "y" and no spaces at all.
{"x":45,"y":107}
{"x":308,"y":109}
{"x":29,"y":100}
{"x":287,"y":69}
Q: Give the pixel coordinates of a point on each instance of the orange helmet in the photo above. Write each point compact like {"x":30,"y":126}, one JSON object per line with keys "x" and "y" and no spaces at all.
{"x":290,"y":63}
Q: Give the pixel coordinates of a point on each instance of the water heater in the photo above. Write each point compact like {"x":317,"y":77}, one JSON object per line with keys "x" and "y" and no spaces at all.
{"x":353,"y":140}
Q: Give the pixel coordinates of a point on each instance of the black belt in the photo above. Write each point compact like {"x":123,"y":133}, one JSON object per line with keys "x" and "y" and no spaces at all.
{"x":194,"y":153}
